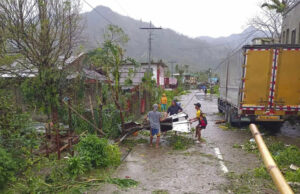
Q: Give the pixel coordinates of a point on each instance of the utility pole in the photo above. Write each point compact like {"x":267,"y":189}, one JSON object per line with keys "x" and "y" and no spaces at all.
{"x":150,"y":28}
{"x":210,"y":81}
{"x":172,"y":67}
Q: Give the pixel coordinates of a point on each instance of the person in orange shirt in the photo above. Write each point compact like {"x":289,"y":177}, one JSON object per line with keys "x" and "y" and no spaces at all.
{"x":164,"y":102}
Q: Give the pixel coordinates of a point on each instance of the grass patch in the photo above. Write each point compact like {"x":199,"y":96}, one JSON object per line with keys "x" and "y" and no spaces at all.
{"x":180,"y":142}
{"x":133,"y":142}
{"x":247,"y":183}
{"x":123,"y":183}
{"x":160,"y":192}
{"x":283,"y":155}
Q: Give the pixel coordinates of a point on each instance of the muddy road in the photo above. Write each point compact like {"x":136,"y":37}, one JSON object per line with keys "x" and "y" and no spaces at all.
{"x":213,"y":166}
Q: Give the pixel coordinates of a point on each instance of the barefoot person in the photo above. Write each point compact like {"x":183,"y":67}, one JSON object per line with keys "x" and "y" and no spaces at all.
{"x":197,"y":118}
{"x":155,"y":117}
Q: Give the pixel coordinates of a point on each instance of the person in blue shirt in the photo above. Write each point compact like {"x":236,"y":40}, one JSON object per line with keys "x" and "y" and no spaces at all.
{"x":174,"y":108}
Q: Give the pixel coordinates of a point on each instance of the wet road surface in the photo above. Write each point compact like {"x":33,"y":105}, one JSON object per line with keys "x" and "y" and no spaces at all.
{"x":200,"y":169}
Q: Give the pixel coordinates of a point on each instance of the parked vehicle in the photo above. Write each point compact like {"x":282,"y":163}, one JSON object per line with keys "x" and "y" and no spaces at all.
{"x":261,"y":83}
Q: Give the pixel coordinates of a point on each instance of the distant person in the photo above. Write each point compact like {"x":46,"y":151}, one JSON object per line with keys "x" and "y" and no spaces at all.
{"x":164,"y":101}
{"x":198,"y":118}
{"x":155,"y":117}
{"x":205,"y":91}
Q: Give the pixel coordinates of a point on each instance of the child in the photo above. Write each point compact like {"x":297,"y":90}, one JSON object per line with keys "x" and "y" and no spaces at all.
{"x":164,"y":102}
{"x":199,"y":127}
{"x":198,"y":118}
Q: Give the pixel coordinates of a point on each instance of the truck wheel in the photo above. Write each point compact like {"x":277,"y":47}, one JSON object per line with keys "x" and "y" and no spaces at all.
{"x":220,"y":111}
{"x":227,"y":113}
{"x":232,"y":119}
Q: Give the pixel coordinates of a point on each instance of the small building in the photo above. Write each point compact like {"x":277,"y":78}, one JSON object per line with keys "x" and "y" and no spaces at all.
{"x":291,"y":25}
{"x":157,"y":69}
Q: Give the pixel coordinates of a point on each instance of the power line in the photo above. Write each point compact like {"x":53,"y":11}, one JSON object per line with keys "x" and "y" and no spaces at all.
{"x":110,"y":22}
{"x":234,"y":51}
{"x":119,"y":4}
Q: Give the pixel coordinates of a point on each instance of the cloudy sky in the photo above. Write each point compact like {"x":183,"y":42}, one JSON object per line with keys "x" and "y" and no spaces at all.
{"x":190,"y":17}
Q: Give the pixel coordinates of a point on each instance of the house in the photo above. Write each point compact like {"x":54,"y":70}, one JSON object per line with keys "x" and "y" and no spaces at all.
{"x":157,"y":69}
{"x":291,"y":25}
{"x":262,"y":41}
{"x":22,"y":69}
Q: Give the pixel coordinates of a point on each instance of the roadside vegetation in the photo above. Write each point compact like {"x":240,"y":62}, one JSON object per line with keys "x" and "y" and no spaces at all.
{"x":287,"y":158}
{"x":179,"y":142}
{"x":73,"y":148}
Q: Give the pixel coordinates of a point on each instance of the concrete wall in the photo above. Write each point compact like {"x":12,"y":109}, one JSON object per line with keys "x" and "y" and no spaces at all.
{"x":291,"y":22}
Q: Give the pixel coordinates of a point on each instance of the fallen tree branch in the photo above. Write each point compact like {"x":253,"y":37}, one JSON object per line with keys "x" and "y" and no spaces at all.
{"x":82,"y":117}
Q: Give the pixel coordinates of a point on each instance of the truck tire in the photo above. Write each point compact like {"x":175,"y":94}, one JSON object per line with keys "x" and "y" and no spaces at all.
{"x":220,"y":110}
{"x":227,"y":113}
{"x":232,"y":118}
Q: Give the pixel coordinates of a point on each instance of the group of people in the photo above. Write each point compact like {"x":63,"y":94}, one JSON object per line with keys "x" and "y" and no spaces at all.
{"x":155,"y":117}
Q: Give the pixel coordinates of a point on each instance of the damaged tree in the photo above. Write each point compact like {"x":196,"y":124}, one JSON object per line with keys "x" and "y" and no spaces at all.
{"x":44,"y":33}
{"x":109,"y":58}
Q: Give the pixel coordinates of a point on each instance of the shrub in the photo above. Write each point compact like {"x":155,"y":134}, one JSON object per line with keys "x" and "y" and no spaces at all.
{"x":7,"y":167}
{"x":98,"y":152}
{"x":76,"y":166}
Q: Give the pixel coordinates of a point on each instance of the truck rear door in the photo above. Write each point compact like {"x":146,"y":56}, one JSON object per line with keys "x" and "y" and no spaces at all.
{"x":256,"y":78}
{"x":287,"y":86}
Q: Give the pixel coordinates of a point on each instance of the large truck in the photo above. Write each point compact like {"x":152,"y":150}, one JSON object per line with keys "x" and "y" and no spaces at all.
{"x":260,"y":83}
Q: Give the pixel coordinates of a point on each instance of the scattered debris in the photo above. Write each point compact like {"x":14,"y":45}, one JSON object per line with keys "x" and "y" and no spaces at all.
{"x":220,"y":121}
{"x":294,"y":184}
{"x":294,"y":167}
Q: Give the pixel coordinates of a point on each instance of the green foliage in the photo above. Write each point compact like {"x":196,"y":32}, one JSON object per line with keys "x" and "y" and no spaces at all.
{"x":43,"y":90}
{"x":277,"y":5}
{"x":284,"y":156}
{"x":288,"y":156}
{"x":17,"y":135}
{"x":172,"y":94}
{"x":8,"y":167}
{"x":215,"y":90}
{"x":111,"y":121}
{"x":180,"y":142}
{"x":98,"y":152}
{"x":76,"y":166}
{"x":160,"y":191}
{"x":144,"y":133}
{"x":261,"y":172}
{"x":293,"y":176}
{"x":133,"y":142}
{"x":123,"y":183}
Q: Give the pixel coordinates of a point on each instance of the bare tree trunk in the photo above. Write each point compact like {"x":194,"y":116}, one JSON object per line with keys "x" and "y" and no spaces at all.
{"x":100,"y":106}
{"x":54,"y":114}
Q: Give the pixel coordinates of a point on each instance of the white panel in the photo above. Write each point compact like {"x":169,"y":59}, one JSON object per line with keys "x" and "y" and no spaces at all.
{"x":182,"y":126}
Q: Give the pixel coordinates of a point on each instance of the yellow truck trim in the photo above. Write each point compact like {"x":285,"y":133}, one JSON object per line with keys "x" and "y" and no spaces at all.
{"x":271,"y":81}
{"x":268,"y":118}
{"x":257,"y":76}
{"x":287,"y":90}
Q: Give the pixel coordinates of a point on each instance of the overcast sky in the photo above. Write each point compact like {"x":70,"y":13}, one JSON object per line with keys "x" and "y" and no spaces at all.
{"x":190,"y":17}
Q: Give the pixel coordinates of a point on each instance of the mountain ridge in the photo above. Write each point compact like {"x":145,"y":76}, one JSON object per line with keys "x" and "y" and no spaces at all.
{"x":168,"y":45}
